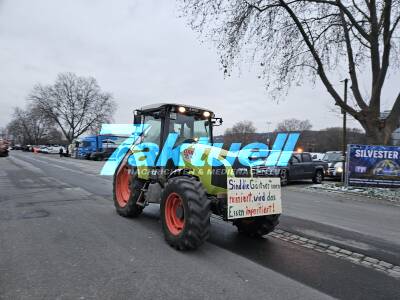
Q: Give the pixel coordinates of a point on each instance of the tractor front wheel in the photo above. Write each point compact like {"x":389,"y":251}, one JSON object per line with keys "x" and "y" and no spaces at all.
{"x":257,"y":226}
{"x":126,"y":191}
{"x":185,"y":213}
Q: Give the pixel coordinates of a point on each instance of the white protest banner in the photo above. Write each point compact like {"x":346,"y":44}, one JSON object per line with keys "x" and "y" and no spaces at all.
{"x":252,"y":197}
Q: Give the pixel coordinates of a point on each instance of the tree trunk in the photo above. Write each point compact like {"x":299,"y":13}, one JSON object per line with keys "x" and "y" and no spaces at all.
{"x":378,"y":136}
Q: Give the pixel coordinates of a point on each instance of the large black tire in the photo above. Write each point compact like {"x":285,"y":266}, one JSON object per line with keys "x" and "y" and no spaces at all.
{"x":126,"y":191}
{"x":257,"y":226}
{"x":318,"y":177}
{"x":186,"y":225}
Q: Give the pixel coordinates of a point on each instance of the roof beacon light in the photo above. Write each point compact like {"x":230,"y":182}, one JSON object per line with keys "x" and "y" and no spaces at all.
{"x":206,"y":114}
{"x":181,"y":109}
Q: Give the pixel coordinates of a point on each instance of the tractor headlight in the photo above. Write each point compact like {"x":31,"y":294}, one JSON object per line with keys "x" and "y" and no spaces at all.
{"x":339,"y":170}
{"x":206,"y":114}
{"x":181,"y":109}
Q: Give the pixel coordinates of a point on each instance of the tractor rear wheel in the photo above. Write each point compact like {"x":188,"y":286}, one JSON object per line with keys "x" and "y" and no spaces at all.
{"x":257,"y":226}
{"x":126,"y":191}
{"x":185,"y":213}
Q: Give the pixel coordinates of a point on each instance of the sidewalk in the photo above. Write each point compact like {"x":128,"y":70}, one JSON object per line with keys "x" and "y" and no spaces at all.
{"x":392,"y":195}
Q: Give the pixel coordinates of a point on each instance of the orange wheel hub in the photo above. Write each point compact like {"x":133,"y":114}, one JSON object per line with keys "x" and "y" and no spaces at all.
{"x":174,"y":214}
{"x":123,"y":191}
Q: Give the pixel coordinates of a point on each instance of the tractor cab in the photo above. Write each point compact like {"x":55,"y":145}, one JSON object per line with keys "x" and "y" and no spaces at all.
{"x":191,"y":124}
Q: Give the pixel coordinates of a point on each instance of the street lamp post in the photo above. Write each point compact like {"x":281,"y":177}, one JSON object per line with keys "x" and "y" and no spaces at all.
{"x":344,"y":141}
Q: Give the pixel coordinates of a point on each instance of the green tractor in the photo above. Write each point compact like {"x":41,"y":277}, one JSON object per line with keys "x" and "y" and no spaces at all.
{"x":188,"y":194}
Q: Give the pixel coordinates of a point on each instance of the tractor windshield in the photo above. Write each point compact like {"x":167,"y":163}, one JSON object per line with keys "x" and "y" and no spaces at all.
{"x":190,"y":128}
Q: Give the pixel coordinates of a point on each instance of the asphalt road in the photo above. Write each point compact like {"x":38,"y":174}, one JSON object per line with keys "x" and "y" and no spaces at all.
{"x":61,"y":238}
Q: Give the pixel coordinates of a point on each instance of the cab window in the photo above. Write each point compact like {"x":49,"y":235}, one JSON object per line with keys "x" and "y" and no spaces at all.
{"x":189,"y":128}
{"x":153,"y":132}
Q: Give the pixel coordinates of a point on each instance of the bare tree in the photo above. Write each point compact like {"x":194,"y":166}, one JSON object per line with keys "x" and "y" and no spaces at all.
{"x":297,"y":39}
{"x":76,"y":104}
{"x":294,"y":125}
{"x":3,"y":133}
{"x":16,"y":131}
{"x":30,"y":126}
{"x":241,"y":132}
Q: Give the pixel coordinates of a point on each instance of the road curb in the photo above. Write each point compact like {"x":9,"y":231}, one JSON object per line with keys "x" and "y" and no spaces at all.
{"x":353,"y":257}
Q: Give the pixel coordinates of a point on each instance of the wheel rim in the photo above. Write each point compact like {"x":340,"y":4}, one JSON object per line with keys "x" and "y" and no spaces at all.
{"x":174,"y":214}
{"x":123,"y":191}
{"x":319,"y":177}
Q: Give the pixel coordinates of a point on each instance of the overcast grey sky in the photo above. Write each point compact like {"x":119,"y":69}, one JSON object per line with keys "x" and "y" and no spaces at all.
{"x":142,"y":53}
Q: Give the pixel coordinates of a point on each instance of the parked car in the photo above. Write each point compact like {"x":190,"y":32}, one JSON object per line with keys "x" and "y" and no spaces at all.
{"x":43,"y":149}
{"x":16,"y":147}
{"x":300,"y":166}
{"x":35,"y":148}
{"x":335,"y":161}
{"x":317,"y":156}
{"x":56,"y":149}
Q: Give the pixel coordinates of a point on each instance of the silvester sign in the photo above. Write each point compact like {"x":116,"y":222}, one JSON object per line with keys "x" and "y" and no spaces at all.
{"x":370,"y":165}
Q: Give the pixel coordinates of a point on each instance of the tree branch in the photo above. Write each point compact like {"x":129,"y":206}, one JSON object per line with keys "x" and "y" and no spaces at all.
{"x":345,"y":10}
{"x":352,"y":68}
{"x":261,"y":8}
{"x":360,"y":10}
{"x":321,"y":72}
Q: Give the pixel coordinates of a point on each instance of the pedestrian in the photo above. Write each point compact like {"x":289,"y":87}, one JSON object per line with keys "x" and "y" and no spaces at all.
{"x":76,"y":149}
{"x":61,"y":152}
{"x":67,"y":153}
{"x":71,"y":150}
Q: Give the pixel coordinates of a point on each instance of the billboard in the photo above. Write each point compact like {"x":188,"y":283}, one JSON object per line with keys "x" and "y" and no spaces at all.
{"x":370,"y":165}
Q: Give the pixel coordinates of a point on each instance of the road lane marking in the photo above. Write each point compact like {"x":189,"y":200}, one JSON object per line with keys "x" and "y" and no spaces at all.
{"x":26,"y":165}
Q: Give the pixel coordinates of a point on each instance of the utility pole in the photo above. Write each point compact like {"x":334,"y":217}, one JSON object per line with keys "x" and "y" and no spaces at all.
{"x":344,"y":142}
{"x":268,"y":134}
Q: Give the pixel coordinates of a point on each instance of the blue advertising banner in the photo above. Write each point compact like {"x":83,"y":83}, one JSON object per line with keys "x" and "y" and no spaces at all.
{"x":369,"y":165}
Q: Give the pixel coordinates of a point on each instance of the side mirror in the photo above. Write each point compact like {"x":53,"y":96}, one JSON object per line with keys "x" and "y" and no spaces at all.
{"x":216,"y":121}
